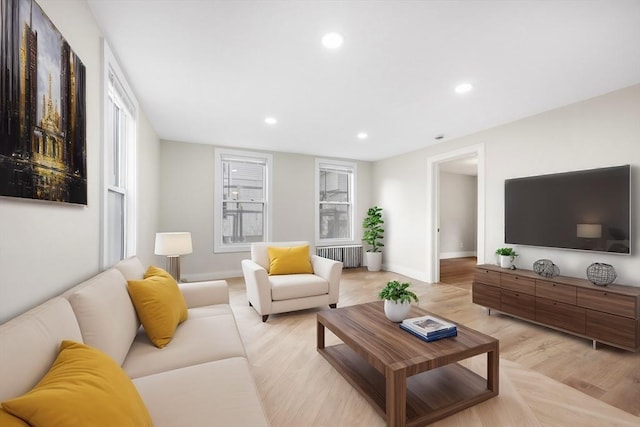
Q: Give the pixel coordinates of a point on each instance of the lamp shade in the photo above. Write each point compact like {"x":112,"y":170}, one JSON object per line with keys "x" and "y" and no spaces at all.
{"x":172,"y":244}
{"x":589,"y":231}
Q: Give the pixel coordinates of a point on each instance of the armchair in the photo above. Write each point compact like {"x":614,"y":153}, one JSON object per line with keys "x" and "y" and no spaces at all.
{"x":271,"y":294}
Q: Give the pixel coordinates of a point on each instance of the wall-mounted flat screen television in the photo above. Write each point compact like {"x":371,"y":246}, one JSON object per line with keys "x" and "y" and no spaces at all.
{"x":585,"y":210}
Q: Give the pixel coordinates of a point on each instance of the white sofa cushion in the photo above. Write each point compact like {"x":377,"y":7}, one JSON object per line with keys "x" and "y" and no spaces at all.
{"x":198,"y":294}
{"x":199,"y":339}
{"x":30,"y":343}
{"x":209,"y":310}
{"x":106,"y":315}
{"x":131,"y":268}
{"x":292,"y":286}
{"x":220,"y":393}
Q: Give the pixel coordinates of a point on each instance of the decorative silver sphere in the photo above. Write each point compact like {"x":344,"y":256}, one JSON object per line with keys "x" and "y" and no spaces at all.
{"x":546,"y":268}
{"x":601,"y":274}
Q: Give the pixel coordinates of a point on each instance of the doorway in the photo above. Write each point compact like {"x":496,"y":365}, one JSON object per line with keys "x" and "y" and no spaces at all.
{"x":458,"y":209}
{"x":435,"y":165}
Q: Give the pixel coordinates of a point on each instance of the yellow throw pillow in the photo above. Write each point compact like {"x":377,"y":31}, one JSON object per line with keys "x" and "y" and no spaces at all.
{"x":159,"y":304}
{"x":84,"y":387}
{"x":289,"y":260}
{"x":157,"y":271}
{"x":8,"y":420}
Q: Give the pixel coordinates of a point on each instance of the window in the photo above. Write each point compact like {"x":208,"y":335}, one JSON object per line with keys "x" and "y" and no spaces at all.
{"x":242,"y":194}
{"x":118,"y":224}
{"x":335,"y":190}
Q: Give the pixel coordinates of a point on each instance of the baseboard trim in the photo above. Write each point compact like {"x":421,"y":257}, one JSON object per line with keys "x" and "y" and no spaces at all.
{"x":461,"y":254}
{"x":414,"y":274}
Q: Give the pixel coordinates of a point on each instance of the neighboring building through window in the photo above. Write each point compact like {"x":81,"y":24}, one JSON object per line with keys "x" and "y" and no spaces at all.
{"x":119,"y":216}
{"x":242,"y":196}
{"x":335,"y":202}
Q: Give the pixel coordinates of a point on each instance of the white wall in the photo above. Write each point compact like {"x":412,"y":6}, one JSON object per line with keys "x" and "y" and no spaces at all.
{"x":45,"y":247}
{"x":399,"y":189}
{"x":600,"y":132}
{"x":187,"y":183}
{"x":458,"y":215}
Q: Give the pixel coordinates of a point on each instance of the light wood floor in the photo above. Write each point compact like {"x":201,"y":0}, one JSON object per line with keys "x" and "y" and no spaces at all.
{"x":547,"y":378}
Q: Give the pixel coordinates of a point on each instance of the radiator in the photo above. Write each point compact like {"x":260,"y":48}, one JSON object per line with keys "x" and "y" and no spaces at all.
{"x":350,"y":256}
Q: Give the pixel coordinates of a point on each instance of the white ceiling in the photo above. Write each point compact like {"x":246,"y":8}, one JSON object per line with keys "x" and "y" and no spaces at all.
{"x":211,"y":71}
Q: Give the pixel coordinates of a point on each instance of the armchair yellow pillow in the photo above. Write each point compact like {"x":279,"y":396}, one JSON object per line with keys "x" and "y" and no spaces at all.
{"x":84,"y":387}
{"x":289,"y":260}
{"x":159,"y":304}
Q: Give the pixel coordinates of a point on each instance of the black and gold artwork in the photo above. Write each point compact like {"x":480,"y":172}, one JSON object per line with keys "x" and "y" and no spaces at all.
{"x":42,"y":108}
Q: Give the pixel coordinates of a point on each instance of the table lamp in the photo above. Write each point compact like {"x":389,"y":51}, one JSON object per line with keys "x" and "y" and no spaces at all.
{"x":172,"y":245}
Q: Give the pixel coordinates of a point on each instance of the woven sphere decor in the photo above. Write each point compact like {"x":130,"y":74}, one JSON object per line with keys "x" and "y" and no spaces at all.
{"x":546,"y":268}
{"x":601,"y":274}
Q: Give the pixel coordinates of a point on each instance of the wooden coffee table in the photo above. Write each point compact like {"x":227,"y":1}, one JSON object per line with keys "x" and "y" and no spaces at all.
{"x":408,"y":381}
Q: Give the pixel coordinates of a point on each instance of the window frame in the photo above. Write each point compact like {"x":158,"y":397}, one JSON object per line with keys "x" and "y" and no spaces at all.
{"x":221,"y":154}
{"x":352,"y":168}
{"x":116,"y":91}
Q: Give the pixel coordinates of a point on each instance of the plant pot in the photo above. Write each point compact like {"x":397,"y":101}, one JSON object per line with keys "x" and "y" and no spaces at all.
{"x":396,"y":311}
{"x":505,"y":261}
{"x":374,"y":260}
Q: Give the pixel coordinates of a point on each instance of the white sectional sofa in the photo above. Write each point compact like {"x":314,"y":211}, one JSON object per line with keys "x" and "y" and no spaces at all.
{"x":201,"y":378}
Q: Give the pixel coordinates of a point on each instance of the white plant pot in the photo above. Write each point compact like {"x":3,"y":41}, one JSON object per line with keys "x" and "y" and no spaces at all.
{"x":505,"y":261}
{"x":396,"y":311}
{"x":374,"y":260}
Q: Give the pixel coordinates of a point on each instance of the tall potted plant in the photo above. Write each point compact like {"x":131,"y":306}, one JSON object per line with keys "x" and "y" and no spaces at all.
{"x":373,"y":234}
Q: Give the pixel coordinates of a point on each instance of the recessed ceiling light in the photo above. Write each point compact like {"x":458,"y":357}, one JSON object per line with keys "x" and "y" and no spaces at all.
{"x":463,"y":88}
{"x":332,"y":40}
{"x":362,"y":135}
{"x":270,"y":121}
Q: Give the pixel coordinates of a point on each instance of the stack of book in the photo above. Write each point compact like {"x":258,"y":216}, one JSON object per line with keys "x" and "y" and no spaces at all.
{"x":429,"y":328}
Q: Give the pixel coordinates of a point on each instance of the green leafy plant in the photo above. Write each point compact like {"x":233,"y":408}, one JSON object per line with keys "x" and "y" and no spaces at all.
{"x":398,"y":292}
{"x":373,"y":230}
{"x":506,"y":252}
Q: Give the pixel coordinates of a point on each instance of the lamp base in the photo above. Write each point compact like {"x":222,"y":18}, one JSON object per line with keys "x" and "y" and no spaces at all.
{"x":173,"y":267}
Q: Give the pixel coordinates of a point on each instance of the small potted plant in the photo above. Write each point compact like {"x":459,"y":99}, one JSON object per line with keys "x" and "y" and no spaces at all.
{"x":373,"y":234}
{"x":397,"y":300}
{"x":506,"y":256}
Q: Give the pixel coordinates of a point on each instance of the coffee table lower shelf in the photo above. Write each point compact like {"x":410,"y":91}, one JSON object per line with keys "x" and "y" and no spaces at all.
{"x":431,"y":395}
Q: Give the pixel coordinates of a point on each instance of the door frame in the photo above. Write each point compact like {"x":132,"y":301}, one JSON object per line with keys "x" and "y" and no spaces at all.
{"x":433,"y":206}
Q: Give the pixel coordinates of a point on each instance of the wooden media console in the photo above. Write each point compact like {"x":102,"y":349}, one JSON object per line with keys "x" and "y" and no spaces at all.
{"x":606,"y":314}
